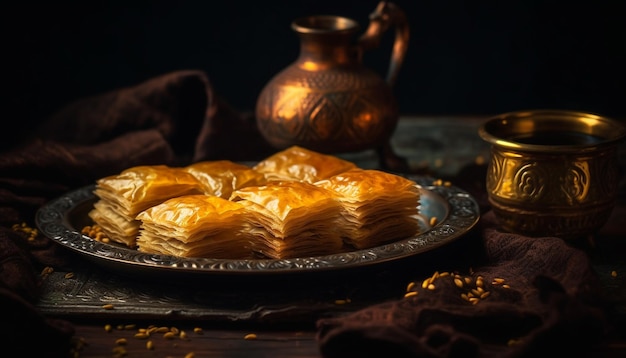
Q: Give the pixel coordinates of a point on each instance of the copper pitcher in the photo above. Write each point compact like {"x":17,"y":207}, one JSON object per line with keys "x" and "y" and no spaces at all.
{"x":328,"y":100}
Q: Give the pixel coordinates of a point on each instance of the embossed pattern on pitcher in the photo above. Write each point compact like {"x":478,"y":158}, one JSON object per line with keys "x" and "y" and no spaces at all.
{"x":347,"y":110}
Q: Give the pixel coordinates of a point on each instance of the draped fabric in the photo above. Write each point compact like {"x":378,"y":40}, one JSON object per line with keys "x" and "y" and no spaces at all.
{"x":543,"y":299}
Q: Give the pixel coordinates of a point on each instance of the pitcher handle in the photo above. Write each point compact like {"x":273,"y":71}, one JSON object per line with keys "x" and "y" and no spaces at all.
{"x":386,"y":15}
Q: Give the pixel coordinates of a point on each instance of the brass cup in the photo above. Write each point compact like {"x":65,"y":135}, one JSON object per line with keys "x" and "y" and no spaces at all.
{"x":552,"y":173}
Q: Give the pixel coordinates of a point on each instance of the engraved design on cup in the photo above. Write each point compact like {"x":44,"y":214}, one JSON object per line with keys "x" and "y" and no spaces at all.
{"x":529,"y":182}
{"x":495,"y":173}
{"x":575,"y":185}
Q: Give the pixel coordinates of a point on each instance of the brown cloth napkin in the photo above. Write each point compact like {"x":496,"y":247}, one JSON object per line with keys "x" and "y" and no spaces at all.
{"x":173,"y":119}
{"x":543,"y":299}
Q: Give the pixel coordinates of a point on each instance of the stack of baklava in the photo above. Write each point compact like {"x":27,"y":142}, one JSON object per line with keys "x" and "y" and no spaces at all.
{"x":197,"y":226}
{"x":122,"y":197}
{"x":295,"y":203}
{"x":377,"y":206}
{"x":294,"y":219}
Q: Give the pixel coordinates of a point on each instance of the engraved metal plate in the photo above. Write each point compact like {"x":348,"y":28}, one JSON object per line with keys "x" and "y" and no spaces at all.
{"x":62,"y":219}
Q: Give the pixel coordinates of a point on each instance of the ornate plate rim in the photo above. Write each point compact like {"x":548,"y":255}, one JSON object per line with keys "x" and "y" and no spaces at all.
{"x":461,"y":213}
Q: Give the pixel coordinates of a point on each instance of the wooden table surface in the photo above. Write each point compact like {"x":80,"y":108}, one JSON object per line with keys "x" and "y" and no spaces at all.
{"x":440,"y":146}
{"x":208,"y":343}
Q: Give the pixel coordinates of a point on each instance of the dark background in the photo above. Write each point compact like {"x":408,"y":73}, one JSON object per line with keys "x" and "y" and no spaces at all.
{"x":465,"y":57}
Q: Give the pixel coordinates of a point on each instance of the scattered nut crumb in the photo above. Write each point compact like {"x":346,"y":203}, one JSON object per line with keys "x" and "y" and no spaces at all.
{"x":432,"y":221}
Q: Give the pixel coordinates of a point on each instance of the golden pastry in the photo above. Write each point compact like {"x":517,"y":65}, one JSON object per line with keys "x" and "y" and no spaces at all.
{"x":123,"y":196}
{"x":221,"y":177}
{"x":297,"y":163}
{"x":295,"y":203}
{"x":196,"y":226}
{"x":377,"y":207}
{"x":294,"y":219}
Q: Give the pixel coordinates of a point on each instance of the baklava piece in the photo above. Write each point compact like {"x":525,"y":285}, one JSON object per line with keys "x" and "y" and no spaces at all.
{"x":292,"y":219}
{"x":221,"y":177}
{"x":378,"y":207}
{"x":196,"y":226}
{"x":121,"y":197}
{"x":301,"y":164}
